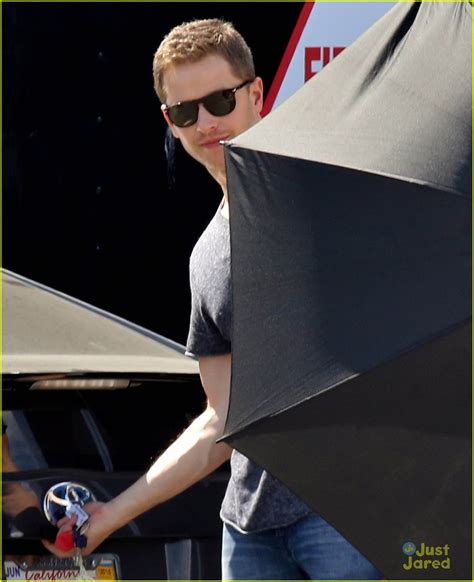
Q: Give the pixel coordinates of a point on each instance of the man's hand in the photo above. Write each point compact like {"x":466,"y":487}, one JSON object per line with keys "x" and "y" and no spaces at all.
{"x":96,"y":531}
{"x":65,"y":525}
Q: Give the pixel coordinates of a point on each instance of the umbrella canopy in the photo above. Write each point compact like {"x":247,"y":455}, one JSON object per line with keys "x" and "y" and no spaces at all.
{"x":45,"y":331}
{"x":350,"y":230}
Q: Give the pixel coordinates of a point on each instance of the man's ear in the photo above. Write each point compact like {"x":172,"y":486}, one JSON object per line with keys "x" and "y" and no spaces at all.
{"x":168,"y":121}
{"x":256,"y":93}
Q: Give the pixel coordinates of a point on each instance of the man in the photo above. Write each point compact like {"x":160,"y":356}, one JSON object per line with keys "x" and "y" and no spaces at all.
{"x":204,"y":76}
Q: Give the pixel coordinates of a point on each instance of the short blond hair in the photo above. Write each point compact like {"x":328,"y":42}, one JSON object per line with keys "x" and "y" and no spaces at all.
{"x":192,"y":41}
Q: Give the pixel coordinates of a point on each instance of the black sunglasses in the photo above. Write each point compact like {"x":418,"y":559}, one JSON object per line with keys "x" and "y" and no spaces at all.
{"x":219,"y":103}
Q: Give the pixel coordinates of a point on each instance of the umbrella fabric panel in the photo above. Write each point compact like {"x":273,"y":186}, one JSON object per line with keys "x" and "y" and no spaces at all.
{"x":350,"y":221}
{"x":396,"y":438}
{"x":334,"y":272}
{"x":396,"y":102}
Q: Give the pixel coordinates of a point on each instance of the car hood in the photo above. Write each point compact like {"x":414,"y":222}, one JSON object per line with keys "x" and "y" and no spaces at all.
{"x":46,"y":331}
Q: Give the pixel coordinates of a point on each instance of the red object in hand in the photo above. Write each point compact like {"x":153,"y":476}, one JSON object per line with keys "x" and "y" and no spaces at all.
{"x":65,"y":540}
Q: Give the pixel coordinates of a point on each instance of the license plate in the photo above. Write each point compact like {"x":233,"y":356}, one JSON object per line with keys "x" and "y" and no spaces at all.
{"x":97,"y":567}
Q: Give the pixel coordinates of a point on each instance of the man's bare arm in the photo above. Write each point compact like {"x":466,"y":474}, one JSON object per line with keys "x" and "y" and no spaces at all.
{"x":192,"y":456}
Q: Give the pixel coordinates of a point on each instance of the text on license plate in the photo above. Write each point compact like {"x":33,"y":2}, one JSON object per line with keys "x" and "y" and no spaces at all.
{"x":97,"y":567}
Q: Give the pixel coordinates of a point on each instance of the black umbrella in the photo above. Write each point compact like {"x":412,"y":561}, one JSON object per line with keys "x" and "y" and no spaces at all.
{"x":350,"y":229}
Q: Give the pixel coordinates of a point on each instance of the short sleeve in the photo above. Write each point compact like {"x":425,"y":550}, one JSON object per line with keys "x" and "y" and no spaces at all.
{"x":204,"y":337}
{"x":211,"y":295}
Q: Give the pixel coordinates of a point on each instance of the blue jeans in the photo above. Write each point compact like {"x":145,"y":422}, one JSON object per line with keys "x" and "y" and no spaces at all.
{"x":309,"y":549}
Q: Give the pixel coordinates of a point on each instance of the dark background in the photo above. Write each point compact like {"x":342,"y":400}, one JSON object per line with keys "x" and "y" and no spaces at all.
{"x":87,"y":204}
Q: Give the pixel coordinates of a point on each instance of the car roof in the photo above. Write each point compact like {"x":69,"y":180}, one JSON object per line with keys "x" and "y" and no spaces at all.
{"x":46,"y":331}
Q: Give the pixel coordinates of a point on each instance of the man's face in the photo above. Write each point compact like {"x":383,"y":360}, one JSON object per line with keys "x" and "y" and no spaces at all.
{"x":191,"y":81}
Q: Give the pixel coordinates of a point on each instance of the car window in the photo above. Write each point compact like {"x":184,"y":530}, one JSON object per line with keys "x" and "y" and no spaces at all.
{"x":98,"y":430}
{"x":25,"y":451}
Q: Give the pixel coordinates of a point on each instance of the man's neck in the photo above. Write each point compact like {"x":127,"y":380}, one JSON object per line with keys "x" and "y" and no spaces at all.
{"x":221,"y":179}
{"x":224,"y":209}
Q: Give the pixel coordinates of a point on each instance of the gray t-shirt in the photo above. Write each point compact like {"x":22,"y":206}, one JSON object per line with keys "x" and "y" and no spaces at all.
{"x":254,"y":500}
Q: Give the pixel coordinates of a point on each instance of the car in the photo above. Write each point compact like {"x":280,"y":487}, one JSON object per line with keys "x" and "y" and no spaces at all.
{"x":92,"y":399}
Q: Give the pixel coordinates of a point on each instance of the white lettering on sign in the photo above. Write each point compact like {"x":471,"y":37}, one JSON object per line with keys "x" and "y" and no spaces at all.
{"x":321,"y":55}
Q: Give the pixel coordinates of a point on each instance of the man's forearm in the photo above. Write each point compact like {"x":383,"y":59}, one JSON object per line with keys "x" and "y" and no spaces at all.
{"x":191,"y":457}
